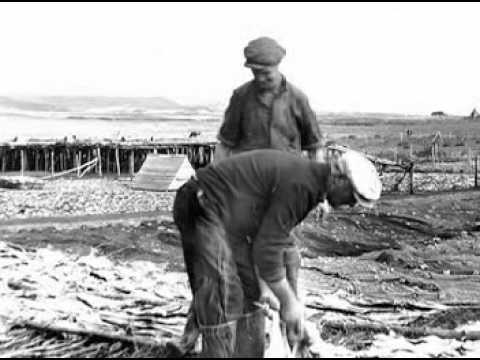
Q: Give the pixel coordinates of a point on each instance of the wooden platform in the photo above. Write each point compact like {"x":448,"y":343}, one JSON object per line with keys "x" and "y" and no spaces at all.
{"x":114,"y":156}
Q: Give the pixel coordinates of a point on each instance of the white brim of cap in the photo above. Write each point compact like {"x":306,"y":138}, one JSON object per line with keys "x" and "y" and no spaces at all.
{"x":363,"y":176}
{"x":363,"y":202}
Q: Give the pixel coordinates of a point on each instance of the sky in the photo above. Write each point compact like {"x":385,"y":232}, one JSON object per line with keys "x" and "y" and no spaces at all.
{"x":404,"y":58}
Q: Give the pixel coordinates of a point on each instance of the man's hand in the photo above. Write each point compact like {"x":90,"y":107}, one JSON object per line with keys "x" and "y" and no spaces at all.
{"x":292,"y":315}
{"x":291,"y":310}
{"x":266,"y":294}
{"x":268,"y":297}
{"x":323,"y":209}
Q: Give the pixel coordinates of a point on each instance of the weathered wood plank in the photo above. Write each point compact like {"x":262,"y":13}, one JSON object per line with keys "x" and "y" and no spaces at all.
{"x":107,"y":158}
{"x":131,"y":166}
{"x":117,"y":160}
{"x":52,"y":157}
{"x":22,"y":162}
{"x":99,"y":165}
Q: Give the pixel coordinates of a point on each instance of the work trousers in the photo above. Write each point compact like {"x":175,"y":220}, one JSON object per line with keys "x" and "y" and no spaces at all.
{"x":222,"y":279}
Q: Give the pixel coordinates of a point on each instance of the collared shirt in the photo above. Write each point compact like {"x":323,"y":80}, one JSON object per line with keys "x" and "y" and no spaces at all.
{"x":286,"y":123}
{"x":262,"y":195}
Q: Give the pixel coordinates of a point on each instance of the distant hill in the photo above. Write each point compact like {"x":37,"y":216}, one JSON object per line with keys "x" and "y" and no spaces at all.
{"x":27,"y":105}
{"x":362,"y":115}
{"x":87,"y":103}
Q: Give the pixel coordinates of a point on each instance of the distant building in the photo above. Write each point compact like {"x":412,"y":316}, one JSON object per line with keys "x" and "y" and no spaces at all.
{"x":438,"y":113}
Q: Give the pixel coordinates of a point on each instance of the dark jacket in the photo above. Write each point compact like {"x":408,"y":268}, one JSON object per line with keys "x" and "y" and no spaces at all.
{"x":289,"y":124}
{"x":262,"y":195}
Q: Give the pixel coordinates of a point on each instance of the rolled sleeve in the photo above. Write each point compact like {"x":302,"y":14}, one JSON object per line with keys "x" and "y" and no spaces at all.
{"x":311,"y":136}
{"x":229,"y":132}
{"x":273,"y":240}
{"x":269,"y":258}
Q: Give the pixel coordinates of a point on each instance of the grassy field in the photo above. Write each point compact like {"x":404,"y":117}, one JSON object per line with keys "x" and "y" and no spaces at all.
{"x":385,"y":137}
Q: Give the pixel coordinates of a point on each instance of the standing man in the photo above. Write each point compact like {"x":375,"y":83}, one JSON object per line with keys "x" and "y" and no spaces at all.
{"x":265,"y":113}
{"x":268,"y":112}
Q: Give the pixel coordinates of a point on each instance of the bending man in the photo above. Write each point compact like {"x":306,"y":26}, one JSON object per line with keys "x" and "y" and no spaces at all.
{"x":238,"y":214}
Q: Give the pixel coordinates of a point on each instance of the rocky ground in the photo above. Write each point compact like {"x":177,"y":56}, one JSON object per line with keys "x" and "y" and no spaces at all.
{"x":77,"y":197}
{"x":429,"y":182}
{"x":72,"y":197}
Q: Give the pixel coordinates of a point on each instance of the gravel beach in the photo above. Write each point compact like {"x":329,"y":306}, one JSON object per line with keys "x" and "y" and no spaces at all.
{"x":76,"y":197}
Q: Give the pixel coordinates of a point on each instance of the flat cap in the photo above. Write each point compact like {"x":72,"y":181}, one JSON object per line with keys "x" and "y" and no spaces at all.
{"x":363,"y":177}
{"x":263,"y":52}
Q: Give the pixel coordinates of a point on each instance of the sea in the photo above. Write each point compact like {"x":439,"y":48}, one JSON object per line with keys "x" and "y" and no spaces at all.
{"x":24,"y":126}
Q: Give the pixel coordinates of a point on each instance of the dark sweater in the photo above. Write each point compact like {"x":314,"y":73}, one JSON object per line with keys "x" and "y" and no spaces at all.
{"x":262,"y":195}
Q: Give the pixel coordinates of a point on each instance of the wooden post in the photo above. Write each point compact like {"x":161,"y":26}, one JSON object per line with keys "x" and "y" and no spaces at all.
{"x":99,"y":163}
{"x":22,"y":162}
{"x":401,"y":138}
{"x":67,"y":158}
{"x":45,"y":160}
{"x":75,"y":157}
{"x":27,"y":163}
{"x":131,"y":166}
{"x":411,"y":170}
{"x":52,"y":157}
{"x":89,"y":155}
{"x":212,"y":154}
{"x":395,"y":155}
{"x":79,"y":161}
{"x":476,"y":171}
{"x":75,"y":161}
{"x":107,"y":157}
{"x":411,"y":151}
{"x":4,"y":161}
{"x":37,"y":160}
{"x":60,"y":159}
{"x":117,"y":160}
{"x":469,"y":158}
{"x":200,"y":155}
{"x":207,"y":154}
{"x":155,"y":151}
{"x":433,"y":155}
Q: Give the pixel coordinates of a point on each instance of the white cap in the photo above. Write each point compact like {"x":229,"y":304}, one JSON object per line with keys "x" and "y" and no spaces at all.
{"x":363,"y":176}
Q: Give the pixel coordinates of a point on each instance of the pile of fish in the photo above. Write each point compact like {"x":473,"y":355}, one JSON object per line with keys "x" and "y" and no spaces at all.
{"x":50,"y":289}
{"x":395,"y":346}
{"x":80,"y":197}
{"x":57,"y":303}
